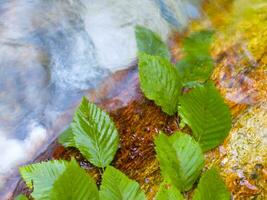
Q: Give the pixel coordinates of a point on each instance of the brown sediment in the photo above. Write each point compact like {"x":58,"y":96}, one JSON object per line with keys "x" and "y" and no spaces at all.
{"x":138,"y":124}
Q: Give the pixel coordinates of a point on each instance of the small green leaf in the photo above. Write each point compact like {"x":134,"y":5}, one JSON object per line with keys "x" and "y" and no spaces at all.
{"x":180,"y":158}
{"x":117,"y":186}
{"x":150,"y":43}
{"x":66,"y":138}
{"x":21,"y":197}
{"x":204,"y":110}
{"x":197,"y":65}
{"x":93,"y":133}
{"x":160,"y":82}
{"x":211,"y":187}
{"x":42,"y":176}
{"x":198,"y":43}
{"x":74,"y":184}
{"x":168,"y":192}
{"x":195,"y":69}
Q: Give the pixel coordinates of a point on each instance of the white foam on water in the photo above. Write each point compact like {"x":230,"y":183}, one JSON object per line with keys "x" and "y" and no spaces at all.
{"x":14,"y":151}
{"x":111,"y":24}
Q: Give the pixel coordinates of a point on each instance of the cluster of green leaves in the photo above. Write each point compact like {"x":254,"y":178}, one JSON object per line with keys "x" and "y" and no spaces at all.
{"x":94,"y":134}
{"x":58,"y":180}
{"x":62,"y":180}
{"x":180,"y":156}
{"x":181,"y":162}
{"x":202,"y":107}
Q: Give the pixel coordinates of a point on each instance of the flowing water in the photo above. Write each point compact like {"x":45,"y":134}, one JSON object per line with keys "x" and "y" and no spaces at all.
{"x":52,"y":51}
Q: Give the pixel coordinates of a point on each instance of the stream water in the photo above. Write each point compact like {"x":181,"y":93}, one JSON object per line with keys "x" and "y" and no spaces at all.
{"x":52,"y":51}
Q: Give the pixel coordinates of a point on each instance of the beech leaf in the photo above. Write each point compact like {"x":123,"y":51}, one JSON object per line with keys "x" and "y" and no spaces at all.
{"x":42,"y":176}
{"x":74,"y":184}
{"x":204,"y":110}
{"x":168,"y":192}
{"x":93,"y":133}
{"x":160,"y":82}
{"x":150,"y":43}
{"x":211,"y":186}
{"x":181,"y":159}
{"x":117,"y":186}
{"x":197,"y":65}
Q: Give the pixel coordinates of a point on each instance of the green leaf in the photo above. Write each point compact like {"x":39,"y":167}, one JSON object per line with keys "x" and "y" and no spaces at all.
{"x":93,"y":133}
{"x":74,"y":184}
{"x":197,"y":65}
{"x":204,"y":110}
{"x":42,"y":176}
{"x":180,"y":158}
{"x":160,"y":82}
{"x":198,"y":43}
{"x":66,"y":138}
{"x":211,"y":186}
{"x":21,"y":197}
{"x":150,"y":43}
{"x":117,"y":186}
{"x":195,"y":69}
{"x":168,"y":192}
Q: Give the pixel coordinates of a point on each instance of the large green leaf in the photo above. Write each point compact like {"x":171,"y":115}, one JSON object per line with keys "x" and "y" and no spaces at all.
{"x":93,"y":133}
{"x":180,"y":158}
{"x":204,"y":110}
{"x":160,"y":82}
{"x":211,"y":187}
{"x":198,"y":43}
{"x":42,"y":176}
{"x":168,"y":192}
{"x":74,"y":184}
{"x":197,"y":65}
{"x":195,"y":69}
{"x":117,"y":186}
{"x":150,"y":43}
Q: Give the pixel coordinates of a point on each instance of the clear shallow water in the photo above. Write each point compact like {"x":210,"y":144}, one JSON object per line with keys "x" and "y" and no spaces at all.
{"x":51,"y":52}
